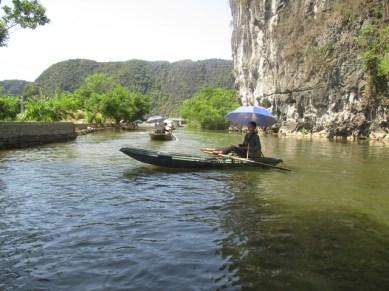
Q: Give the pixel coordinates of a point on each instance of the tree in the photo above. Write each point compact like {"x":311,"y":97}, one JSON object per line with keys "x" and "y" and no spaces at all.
{"x":120,"y":104}
{"x":91,"y":93}
{"x":31,"y":90}
{"x":9,"y":107}
{"x":23,"y":13}
{"x":60,"y":107}
{"x":208,"y":108}
{"x":95,"y":84}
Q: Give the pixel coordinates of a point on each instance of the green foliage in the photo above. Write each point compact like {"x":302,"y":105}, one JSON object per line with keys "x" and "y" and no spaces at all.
{"x":100,"y":97}
{"x":9,"y":107}
{"x":120,"y":104}
{"x":168,"y":84}
{"x":208,"y":108}
{"x":31,"y":90}
{"x":95,"y":84}
{"x":60,"y":107}
{"x":3,"y":33}
{"x":374,"y":44}
{"x":92,"y":93}
{"x":23,"y":13}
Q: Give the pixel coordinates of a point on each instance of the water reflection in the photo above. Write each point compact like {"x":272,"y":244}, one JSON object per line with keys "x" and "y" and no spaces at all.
{"x":275,"y":247}
{"x":81,"y":215}
{"x":290,"y":233}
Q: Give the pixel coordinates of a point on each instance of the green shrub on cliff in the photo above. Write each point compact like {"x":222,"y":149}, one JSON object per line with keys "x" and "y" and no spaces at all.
{"x":208,"y":108}
{"x":374,"y":44}
{"x":9,"y":107}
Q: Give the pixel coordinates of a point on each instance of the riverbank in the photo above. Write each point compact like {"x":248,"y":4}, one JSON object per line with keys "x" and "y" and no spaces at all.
{"x":381,"y":136}
{"x":86,"y":128}
{"x":28,"y":134}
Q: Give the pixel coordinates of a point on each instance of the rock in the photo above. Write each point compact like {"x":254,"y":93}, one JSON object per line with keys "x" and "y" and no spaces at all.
{"x":378,"y":135}
{"x":288,"y":57}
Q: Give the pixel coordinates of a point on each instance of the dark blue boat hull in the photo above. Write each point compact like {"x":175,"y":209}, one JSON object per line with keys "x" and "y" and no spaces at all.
{"x":171,"y":160}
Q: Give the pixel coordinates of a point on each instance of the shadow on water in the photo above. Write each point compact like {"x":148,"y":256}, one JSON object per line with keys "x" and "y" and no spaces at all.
{"x":276,"y":247}
{"x":160,"y":172}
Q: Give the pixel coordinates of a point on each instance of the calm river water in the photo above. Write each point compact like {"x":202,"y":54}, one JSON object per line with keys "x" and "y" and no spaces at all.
{"x":82,"y":216}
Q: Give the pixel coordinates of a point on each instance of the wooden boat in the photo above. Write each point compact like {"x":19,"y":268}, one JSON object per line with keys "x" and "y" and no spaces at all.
{"x":161,"y":136}
{"x":171,"y":160}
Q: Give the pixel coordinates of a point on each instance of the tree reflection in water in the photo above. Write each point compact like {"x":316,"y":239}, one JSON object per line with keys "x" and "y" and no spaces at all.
{"x":275,"y":247}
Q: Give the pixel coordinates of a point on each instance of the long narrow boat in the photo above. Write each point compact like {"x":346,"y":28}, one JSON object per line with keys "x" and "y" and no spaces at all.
{"x":162,"y":136}
{"x":171,"y":160}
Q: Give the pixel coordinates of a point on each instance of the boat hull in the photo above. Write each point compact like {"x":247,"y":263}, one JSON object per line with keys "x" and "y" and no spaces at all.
{"x":171,"y":160}
{"x":161,"y":136}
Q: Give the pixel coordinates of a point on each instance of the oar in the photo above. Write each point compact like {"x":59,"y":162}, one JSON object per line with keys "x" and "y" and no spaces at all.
{"x":175,"y":137}
{"x":207,"y":149}
{"x":247,"y":160}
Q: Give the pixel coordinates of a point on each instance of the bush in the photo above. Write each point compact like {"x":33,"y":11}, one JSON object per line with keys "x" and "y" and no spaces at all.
{"x":374,"y":44}
{"x":120,"y":104}
{"x":99,"y":97}
{"x":61,"y":107}
{"x":9,"y":107}
{"x":208,"y":108}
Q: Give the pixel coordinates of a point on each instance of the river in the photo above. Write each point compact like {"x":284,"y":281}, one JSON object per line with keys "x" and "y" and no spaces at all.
{"x":83,"y":216}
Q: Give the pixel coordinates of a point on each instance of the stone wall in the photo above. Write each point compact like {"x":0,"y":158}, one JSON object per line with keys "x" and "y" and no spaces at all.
{"x":26,"y":134}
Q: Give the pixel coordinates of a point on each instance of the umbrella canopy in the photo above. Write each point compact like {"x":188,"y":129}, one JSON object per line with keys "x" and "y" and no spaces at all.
{"x":244,"y":114}
{"x":154,"y":119}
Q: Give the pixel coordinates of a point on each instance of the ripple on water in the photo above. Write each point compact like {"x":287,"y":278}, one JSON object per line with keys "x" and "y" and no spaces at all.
{"x":81,"y":215}
{"x":78,"y":221}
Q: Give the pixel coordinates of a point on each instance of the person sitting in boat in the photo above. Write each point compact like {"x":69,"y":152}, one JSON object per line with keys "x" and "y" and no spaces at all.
{"x":159,"y":127}
{"x":167,"y":128}
{"x":251,"y":146}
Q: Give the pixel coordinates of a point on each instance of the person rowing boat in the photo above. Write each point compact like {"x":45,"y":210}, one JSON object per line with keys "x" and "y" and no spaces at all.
{"x":250,"y":148}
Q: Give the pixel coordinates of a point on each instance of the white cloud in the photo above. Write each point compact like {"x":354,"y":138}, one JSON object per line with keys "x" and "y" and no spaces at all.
{"x":119,"y":30}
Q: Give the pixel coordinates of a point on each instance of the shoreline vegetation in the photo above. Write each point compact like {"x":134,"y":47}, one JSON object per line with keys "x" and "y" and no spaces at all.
{"x":98,"y":100}
{"x":101,"y":103}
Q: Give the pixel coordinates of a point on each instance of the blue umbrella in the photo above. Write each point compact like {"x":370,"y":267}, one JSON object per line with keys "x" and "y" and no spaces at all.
{"x":244,"y":114}
{"x":154,"y":119}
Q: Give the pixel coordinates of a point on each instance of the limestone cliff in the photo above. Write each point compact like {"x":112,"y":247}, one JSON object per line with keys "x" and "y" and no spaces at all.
{"x":301,"y":59}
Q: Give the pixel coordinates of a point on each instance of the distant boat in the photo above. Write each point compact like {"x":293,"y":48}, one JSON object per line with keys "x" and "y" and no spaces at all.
{"x":171,"y":160}
{"x":162,"y":136}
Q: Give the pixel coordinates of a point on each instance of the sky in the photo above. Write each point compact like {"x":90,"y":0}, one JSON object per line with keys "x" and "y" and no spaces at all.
{"x":119,"y":30}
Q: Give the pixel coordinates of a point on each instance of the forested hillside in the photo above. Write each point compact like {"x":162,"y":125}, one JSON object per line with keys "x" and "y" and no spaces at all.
{"x":168,"y":84}
{"x":12,"y":87}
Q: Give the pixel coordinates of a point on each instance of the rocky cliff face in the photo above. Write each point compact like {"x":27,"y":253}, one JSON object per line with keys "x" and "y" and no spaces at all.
{"x":300,"y":58}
